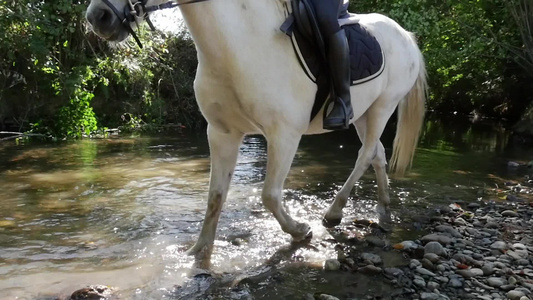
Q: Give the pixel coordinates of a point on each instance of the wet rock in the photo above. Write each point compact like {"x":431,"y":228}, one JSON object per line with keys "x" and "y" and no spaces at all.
{"x":429,"y":296}
{"x":488,"y":269}
{"x":460,"y":222}
{"x":372,"y":258}
{"x":468,"y":273}
{"x":496,"y":282}
{"x":432,"y":257}
{"x":325,"y":297}
{"x":435,"y":248}
{"x":309,"y":296}
{"x":432,"y":285}
{"x":414,"y":263}
{"x":92,"y":292}
{"x":473,"y":206}
{"x":455,"y":283}
{"x":449,"y":229}
{"x":515,"y":295}
{"x":419,"y":281}
{"x":435,"y":237}
{"x":510,"y":213}
{"x":426,"y":272}
{"x":370,"y":269}
{"x":406,"y":245}
{"x":332,"y":265}
{"x":375,"y":241}
{"x":427,"y":264}
{"x":237,"y":242}
{"x":499,"y":245}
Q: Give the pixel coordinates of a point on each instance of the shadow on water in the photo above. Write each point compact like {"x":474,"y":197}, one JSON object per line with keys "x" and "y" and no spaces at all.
{"x":122,"y":211}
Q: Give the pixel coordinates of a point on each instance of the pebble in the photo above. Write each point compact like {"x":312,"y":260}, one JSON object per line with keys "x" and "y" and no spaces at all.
{"x":488,"y":269}
{"x":455,"y":282}
{"x":435,"y":248}
{"x":375,"y":241}
{"x":449,"y":229}
{"x":429,"y":296}
{"x":435,"y":237}
{"x":432,"y":257}
{"x":515,"y":295}
{"x":370,"y":269}
{"x":496,"y":281}
{"x":332,"y":265}
{"x":432,"y":285}
{"x":371,"y":257}
{"x":510,"y":213}
{"x":499,"y":245}
{"x":483,"y":254}
{"x":424,"y":271}
{"x":325,"y":297}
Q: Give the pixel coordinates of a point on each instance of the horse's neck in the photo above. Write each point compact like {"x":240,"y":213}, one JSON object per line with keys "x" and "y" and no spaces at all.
{"x":228,"y":27}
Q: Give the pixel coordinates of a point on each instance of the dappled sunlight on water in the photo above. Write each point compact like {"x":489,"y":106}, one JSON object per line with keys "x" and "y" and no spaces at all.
{"x":122,"y":212}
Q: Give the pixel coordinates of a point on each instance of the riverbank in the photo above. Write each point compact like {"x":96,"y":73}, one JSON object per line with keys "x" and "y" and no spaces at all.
{"x":480,"y":250}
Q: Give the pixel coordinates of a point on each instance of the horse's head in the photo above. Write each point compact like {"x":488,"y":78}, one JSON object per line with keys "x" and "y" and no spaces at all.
{"x":113,"y":19}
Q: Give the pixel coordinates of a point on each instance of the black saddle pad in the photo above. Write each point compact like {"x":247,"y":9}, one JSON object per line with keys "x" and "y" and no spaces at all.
{"x":366,"y":57}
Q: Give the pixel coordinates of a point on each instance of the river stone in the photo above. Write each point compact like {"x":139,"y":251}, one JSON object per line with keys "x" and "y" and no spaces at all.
{"x":432,"y":285}
{"x":414,"y":263}
{"x":455,"y":282}
{"x":371,"y":257}
{"x":92,"y":292}
{"x":488,"y":269}
{"x":332,"y":265}
{"x":429,"y":296}
{"x":375,"y":241}
{"x":419,"y":281}
{"x":435,"y":237}
{"x":469,"y":273}
{"x":510,"y":213}
{"x":519,"y":246}
{"x":370,"y":269}
{"x":435,"y":248}
{"x":423,"y":271}
{"x":325,"y":297}
{"x":515,"y":295}
{"x":499,"y":245}
{"x":449,"y":229}
{"x":460,"y":221}
{"x":496,"y":281}
{"x":432,"y":257}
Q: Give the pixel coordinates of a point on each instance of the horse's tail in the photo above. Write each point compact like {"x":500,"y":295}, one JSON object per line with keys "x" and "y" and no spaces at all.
{"x":411,"y":112}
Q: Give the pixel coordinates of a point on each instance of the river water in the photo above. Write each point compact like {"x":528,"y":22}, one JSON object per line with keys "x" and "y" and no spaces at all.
{"x":122,"y":211}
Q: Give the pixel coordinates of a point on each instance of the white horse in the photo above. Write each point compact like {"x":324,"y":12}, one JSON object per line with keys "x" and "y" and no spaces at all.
{"x":249,"y":81}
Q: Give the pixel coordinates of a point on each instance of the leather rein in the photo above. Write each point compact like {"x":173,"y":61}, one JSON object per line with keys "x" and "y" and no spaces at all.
{"x":138,"y":9}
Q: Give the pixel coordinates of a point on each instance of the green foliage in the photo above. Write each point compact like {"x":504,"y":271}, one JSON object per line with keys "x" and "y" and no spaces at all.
{"x":466,"y":45}
{"x":56,"y":77}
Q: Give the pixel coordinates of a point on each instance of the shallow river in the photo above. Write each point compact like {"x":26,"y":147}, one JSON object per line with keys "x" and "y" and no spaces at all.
{"x":122,"y":211}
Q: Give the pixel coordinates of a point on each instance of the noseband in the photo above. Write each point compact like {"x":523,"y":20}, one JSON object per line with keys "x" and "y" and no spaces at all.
{"x":138,"y":9}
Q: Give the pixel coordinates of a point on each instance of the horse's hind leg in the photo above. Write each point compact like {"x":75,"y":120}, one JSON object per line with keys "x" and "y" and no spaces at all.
{"x":379,"y":163}
{"x":224,"y":150}
{"x":369,"y":128}
{"x":282,"y":147}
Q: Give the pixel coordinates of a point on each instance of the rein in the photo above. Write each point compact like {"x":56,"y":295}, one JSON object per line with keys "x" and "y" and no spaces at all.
{"x":132,"y":11}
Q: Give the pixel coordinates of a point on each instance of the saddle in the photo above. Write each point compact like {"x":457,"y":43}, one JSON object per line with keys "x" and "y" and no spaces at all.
{"x":366,"y":58}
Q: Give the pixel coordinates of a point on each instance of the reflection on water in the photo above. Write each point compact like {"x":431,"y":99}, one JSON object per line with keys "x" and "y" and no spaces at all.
{"x":121,"y":212}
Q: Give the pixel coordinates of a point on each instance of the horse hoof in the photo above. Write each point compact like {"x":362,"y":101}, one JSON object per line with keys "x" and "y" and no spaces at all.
{"x":330,"y":223}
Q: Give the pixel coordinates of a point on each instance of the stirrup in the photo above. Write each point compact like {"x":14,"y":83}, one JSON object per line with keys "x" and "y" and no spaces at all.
{"x":338,"y":125}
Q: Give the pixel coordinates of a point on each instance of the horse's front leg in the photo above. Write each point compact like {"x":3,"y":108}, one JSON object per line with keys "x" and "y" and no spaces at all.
{"x":282,"y":147}
{"x":224,"y":149}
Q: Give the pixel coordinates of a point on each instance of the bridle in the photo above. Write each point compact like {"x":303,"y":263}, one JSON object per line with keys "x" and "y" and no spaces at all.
{"x":138,"y":10}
